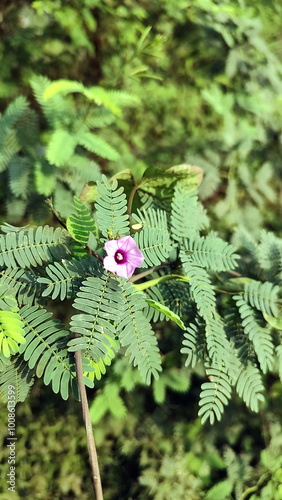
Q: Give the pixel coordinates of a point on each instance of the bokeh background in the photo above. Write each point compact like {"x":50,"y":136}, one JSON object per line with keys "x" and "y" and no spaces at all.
{"x":198,"y":82}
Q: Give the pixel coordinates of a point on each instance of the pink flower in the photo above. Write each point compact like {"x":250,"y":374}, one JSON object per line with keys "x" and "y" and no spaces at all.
{"x":123,"y":256}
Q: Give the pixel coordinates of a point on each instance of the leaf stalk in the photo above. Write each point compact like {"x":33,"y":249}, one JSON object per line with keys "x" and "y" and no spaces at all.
{"x":96,"y":478}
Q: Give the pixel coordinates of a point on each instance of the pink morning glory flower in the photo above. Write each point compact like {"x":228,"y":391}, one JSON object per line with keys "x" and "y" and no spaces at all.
{"x":123,"y":256}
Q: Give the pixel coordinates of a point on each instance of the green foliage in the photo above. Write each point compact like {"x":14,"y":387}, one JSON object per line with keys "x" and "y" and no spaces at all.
{"x":64,"y":278}
{"x":215,"y":394}
{"x":33,"y":247}
{"x":11,"y":332}
{"x":210,"y":252}
{"x":153,"y":239}
{"x":173,"y":379}
{"x":109,"y":400}
{"x":79,"y":226}
{"x":258,"y":334}
{"x":99,"y":301}
{"x":249,"y":387}
{"x":262,"y":296}
{"x":166,"y":311}
{"x":45,"y":348}
{"x":236,"y":345}
{"x":18,"y":375}
{"x":183,"y":220}
{"x":137,"y":335}
{"x":218,"y":107}
{"x":24,"y":283}
{"x":111,"y":209}
{"x":50,"y":160}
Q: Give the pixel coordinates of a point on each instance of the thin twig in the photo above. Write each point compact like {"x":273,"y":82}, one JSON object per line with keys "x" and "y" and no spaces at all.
{"x":89,"y":431}
{"x":130,"y":199}
{"x":94,"y":254}
{"x":234,"y":273}
{"x":137,"y":277}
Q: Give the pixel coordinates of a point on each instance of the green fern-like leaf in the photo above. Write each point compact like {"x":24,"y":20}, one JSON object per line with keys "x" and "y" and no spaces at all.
{"x":153,"y":239}
{"x":201,"y":289}
{"x":279,"y":356}
{"x":259,"y":335}
{"x":79,"y":173}
{"x":11,"y":332}
{"x":32,"y":247}
{"x":217,"y":342}
{"x":160,"y":183}
{"x":61,"y":147}
{"x":99,"y":301}
{"x":250,"y":387}
{"x":185,"y":220}
{"x":10,"y":138}
{"x":111,"y":209}
{"x":269,"y":254}
{"x":44,"y":177}
{"x":174,"y":379}
{"x":136,"y":334}
{"x":8,"y":301}
{"x":176,"y":296}
{"x":64,"y":278}
{"x":11,"y":115}
{"x":97,"y":369}
{"x":9,"y":149}
{"x":211,"y":252}
{"x":194,"y":344}
{"x":28,"y":130}
{"x":262,"y":296}
{"x":112,"y":99}
{"x":98,"y":118}
{"x":108,"y":401}
{"x":24,"y":283}
{"x":215,"y":394}
{"x":79,"y":226}
{"x":46,"y":348}
{"x":54,"y":108}
{"x":17,"y":375}
{"x":96,"y":145}
{"x":220,"y":491}
{"x":151,"y":313}
{"x":19,"y":171}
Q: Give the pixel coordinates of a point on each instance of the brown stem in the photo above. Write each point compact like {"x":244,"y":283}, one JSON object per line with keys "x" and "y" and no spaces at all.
{"x":95,"y":254}
{"x":130,"y":200}
{"x":88,"y":428}
{"x":234,"y":273}
{"x":137,"y":277}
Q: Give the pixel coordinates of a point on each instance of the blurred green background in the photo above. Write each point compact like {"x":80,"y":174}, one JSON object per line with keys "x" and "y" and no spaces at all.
{"x":206,"y":87}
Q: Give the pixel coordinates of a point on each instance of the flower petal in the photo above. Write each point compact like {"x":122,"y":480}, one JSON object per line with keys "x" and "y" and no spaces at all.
{"x":111,"y":247}
{"x":125,"y":270}
{"x":135,"y":257}
{"x":126,"y":243}
{"x":130,"y":268}
{"x":110,"y":264}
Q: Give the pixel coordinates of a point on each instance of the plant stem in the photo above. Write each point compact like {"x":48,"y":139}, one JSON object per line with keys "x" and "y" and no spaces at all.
{"x":88,"y":428}
{"x":139,"y":276}
{"x":130,"y":200}
{"x":156,"y":281}
{"x":252,"y":489}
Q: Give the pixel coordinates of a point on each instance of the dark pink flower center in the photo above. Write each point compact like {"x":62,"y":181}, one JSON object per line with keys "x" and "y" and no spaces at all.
{"x":119,"y":257}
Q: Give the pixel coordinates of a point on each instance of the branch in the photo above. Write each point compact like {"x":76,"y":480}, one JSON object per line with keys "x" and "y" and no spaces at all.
{"x":137,"y":277}
{"x":130,"y":200}
{"x":88,"y":428}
